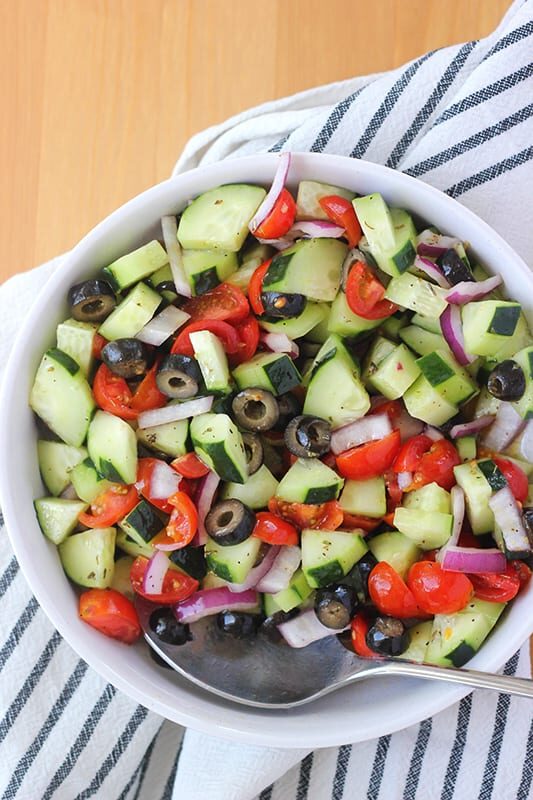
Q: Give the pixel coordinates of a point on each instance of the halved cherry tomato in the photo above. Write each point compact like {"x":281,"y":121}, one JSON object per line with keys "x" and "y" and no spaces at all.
{"x":497,"y":587}
{"x":111,"y":613}
{"x":393,"y":409}
{"x":411,"y":452}
{"x":147,"y":395}
{"x":326,"y":516}
{"x":274,"y":530}
{"x":110,"y":506}
{"x":341,"y":212}
{"x":177,"y":586}
{"x":360,"y":628}
{"x":429,"y":461}
{"x":370,"y":459}
{"x":437,"y":591}
{"x":515,"y":477}
{"x":390,"y":594}
{"x":183,"y":522}
{"x":255,"y":287}
{"x":225,"y":302}
{"x":190,"y":466}
{"x":113,"y":394}
{"x":145,"y":467}
{"x":365,"y":294}
{"x":225,"y":332}
{"x":99,"y":342}
{"x":352,"y":521}
{"x":523,"y":572}
{"x":394,"y":493}
{"x":280,"y":219}
{"x":249,"y":333}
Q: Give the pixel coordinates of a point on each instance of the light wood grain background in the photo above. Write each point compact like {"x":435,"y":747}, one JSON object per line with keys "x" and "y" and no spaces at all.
{"x":99,"y":96}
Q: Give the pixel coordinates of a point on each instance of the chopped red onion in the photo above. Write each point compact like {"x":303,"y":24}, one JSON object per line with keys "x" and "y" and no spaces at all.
{"x":404,"y":479}
{"x":164,"y":481}
{"x":256,"y":573}
{"x":69,"y":493}
{"x":204,"y":500}
{"x":175,"y":412}
{"x":452,"y":330}
{"x":506,"y":426}
{"x":278,"y":184}
{"x":434,"y":244}
{"x":408,"y":425}
{"x":315,"y":229}
{"x":164,"y":325}
{"x":466,"y":291}
{"x":285,"y":564}
{"x":509,"y":519}
{"x":433,"y":433}
{"x":366,"y":429}
{"x":352,"y":256}
{"x":280,"y":343}
{"x":156,"y":569}
{"x":526,"y":442}
{"x":473,"y":427}
{"x":305,"y":629}
{"x":169,"y":228}
{"x":432,"y":270}
{"x":207,"y":602}
{"x":473,"y":560}
{"x":458,"y":511}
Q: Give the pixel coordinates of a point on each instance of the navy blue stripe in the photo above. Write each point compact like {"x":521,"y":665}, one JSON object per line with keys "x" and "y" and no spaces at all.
{"x":524,"y":790}
{"x":448,"y":77}
{"x":145,"y":764}
{"x":343,"y":759}
{"x":18,"y":631}
{"x":333,"y":121}
{"x":10,"y":572}
{"x":487,"y":93}
{"x":476,"y":140}
{"x":390,"y":100}
{"x":89,"y":726}
{"x":1,"y":518}
{"x":29,"y":685}
{"x":123,"y":741}
{"x":378,"y":767}
{"x":500,"y":721}
{"x":266,"y":794}
{"x":55,"y":714}
{"x":458,"y":748}
{"x":127,"y":789}
{"x":140,"y":768}
{"x":490,"y":173}
{"x":305,"y":777}
{"x":511,"y":38}
{"x":417,"y":759}
{"x":279,"y":144}
{"x":168,"y":791}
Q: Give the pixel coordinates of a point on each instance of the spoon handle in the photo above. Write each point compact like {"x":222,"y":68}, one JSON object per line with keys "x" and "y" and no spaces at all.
{"x":479,"y":680}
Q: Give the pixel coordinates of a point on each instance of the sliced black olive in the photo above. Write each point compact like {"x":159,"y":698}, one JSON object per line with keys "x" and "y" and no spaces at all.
{"x":289,"y":407}
{"x":507,"y":381}
{"x":178,"y":376}
{"x":308,"y":437}
{"x":255,"y":409}
{"x":167,"y":628}
{"x":335,"y":606}
{"x":166,"y":286}
{"x":454,"y":268}
{"x":230,"y":522}
{"x":128,"y":358}
{"x":253,"y":449}
{"x":357,"y":578}
{"x":91,"y":301}
{"x":283,"y":306}
{"x":388,"y":636}
{"x":238,"y":624}
{"x":527,"y":518}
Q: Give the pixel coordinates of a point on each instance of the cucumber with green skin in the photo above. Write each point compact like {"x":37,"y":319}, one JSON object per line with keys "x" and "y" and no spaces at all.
{"x":87,"y":557}
{"x":327,"y":556}
{"x":56,"y":462}
{"x":311,"y":267}
{"x":308,"y":480}
{"x":218,"y":443}
{"x":136,"y":266}
{"x":58,"y":517}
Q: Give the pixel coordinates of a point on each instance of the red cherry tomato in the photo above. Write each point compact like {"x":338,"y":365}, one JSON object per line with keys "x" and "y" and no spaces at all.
{"x":360,"y":628}
{"x":394,"y":493}
{"x":322,"y":516}
{"x":190,"y":466}
{"x":111,"y":613}
{"x":437,"y":591}
{"x":145,"y":468}
{"x":390,"y":594}
{"x":99,"y":342}
{"x":500,"y":587}
{"x":341,"y":212}
{"x":225,"y":332}
{"x":275,"y":530}
{"x":183,"y":522}
{"x":225,"y":302}
{"x":110,"y":506}
{"x":148,"y":395}
{"x":365,"y":294}
{"x":370,"y":459}
{"x":280,"y":219}
{"x":429,"y":461}
{"x":113,"y":394}
{"x":177,"y":586}
{"x":255,"y":287}
{"x":411,"y":452}
{"x":393,"y":409}
{"x":352,"y":521}
{"x":515,"y":477}
{"x":249,"y":333}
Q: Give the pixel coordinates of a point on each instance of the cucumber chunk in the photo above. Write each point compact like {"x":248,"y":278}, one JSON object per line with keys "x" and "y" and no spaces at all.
{"x":390,"y":233}
{"x":493,"y":327}
{"x":218,"y":442}
{"x":132,"y":314}
{"x":426,"y":403}
{"x":443,"y":372}
{"x":466,"y":447}
{"x":396,"y":373}
{"x":218,"y":219}
{"x":396,"y":549}
{"x":327,"y":556}
{"x":133,"y":547}
{"x":62,"y":397}
{"x":311,"y":267}
{"x":212,"y":361}
{"x":477,"y":495}
{"x":87,"y":557}
{"x":417,"y":294}
{"x":344,"y":322}
{"x":309,"y":481}
{"x":161,"y":277}
{"x":58,"y":517}
{"x":524,"y":406}
{"x":76,"y":339}
{"x":419,"y":639}
{"x":112,"y":447}
{"x":422,"y":341}
{"x":309,"y":196}
{"x":457,"y":637}
{"x":428,"y":529}
{"x":431,"y":497}
{"x":378,"y":352}
{"x":205,"y":269}
{"x":274,"y":372}
{"x":121,"y":577}
{"x":169,"y":438}
{"x":312,"y":317}
{"x":136,"y":266}
{"x":258,"y":489}
{"x":87,"y":482}
{"x":364,"y":497}
{"x":142,"y":523}
{"x":232,"y":563}
{"x":293,"y":596}
{"x":56,"y":461}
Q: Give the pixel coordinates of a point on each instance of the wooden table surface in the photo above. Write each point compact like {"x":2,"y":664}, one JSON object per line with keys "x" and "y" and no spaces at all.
{"x":99,"y":96}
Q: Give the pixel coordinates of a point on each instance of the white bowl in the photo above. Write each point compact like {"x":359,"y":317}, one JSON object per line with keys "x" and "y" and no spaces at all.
{"x":364,"y":711}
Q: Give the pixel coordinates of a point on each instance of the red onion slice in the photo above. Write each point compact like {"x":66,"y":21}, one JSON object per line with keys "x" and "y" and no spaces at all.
{"x":526,"y":442}
{"x":366,"y":429}
{"x":509,"y":519}
{"x":452,"y":330}
{"x":473,"y":560}
{"x":164,"y":481}
{"x":458,"y":512}
{"x":285,"y":564}
{"x":408,"y":425}
{"x":466,"y":291}
{"x":305,"y":629}
{"x":506,"y":426}
{"x":434,"y":244}
{"x":316,"y":229}
{"x":210,"y":601}
{"x":204,"y":500}
{"x":473,"y":427}
{"x":433,"y":433}
{"x":175,"y":412}
{"x":169,"y":227}
{"x":156,"y":569}
{"x":280,"y":343}
{"x":164,"y":325}
{"x":432,"y":270}
{"x":278,"y":184}
{"x":256,"y":573}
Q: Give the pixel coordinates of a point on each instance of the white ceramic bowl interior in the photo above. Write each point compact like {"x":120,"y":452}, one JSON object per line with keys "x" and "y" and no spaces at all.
{"x":364,"y":711}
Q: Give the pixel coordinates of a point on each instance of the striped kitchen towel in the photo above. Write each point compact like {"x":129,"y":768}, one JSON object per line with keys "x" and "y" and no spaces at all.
{"x":461,"y":119}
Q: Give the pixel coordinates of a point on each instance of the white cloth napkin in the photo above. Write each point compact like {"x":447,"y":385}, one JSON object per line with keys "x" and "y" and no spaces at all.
{"x":461,"y":119}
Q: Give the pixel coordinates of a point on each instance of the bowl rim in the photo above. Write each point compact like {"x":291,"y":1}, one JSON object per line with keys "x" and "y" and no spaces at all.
{"x":78,"y":639}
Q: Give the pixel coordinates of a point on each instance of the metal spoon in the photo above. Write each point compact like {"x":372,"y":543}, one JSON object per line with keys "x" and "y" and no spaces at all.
{"x":266,"y":674}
